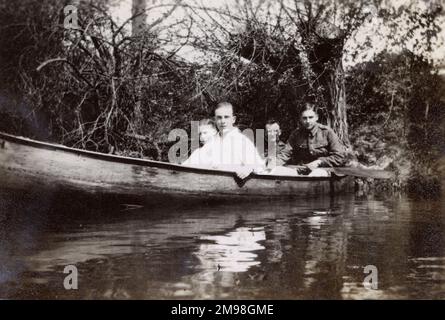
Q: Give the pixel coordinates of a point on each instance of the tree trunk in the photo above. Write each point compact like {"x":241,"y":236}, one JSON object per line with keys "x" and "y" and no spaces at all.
{"x":337,"y":117}
{"x":139,"y":24}
{"x":327,"y":62}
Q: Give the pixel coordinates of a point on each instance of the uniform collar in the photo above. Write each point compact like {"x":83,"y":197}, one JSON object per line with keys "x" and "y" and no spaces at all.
{"x":313,"y":131}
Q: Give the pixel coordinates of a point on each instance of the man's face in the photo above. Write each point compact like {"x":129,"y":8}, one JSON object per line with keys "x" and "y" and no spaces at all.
{"x":273,"y":132}
{"x":224,"y":118}
{"x":206,"y":132}
{"x":308,"y":119}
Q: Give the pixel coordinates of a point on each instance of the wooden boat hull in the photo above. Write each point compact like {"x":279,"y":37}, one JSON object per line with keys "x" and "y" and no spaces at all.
{"x":29,"y":165}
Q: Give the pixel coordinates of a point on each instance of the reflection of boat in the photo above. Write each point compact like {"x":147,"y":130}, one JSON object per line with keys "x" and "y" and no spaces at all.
{"x":31,"y":165}
{"x":191,"y":252}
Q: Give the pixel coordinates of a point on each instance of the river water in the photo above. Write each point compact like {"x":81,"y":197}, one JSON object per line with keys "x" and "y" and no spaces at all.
{"x":313,"y":249}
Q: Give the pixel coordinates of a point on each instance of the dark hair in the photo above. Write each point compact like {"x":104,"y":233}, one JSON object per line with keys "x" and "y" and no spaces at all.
{"x":224,"y":104}
{"x":207,"y":122}
{"x":272,"y":121}
{"x":309,"y":106}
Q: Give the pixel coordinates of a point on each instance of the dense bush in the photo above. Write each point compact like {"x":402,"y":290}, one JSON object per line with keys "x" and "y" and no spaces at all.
{"x":105,"y":89}
{"x":397,"y":114}
{"x":100,"y":89}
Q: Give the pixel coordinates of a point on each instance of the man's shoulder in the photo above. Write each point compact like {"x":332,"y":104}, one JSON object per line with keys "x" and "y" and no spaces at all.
{"x":236,"y":136}
{"x":324,"y":127}
{"x":235,"y":132}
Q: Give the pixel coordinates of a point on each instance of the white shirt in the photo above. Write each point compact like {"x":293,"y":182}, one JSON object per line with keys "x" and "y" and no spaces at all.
{"x":201,"y":157}
{"x":228,"y":151}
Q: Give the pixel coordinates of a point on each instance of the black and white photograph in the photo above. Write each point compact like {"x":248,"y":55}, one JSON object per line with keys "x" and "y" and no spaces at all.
{"x":223,"y":150}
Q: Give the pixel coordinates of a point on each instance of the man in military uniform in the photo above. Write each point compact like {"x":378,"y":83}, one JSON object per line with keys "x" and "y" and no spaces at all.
{"x":312,"y":146}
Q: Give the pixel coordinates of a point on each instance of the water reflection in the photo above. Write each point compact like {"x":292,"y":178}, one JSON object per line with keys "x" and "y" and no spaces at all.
{"x":220,"y":258}
{"x":312,"y":249}
{"x":234,"y":251}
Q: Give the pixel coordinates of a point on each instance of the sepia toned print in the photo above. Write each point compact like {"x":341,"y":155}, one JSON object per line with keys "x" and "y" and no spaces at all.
{"x":214,"y":150}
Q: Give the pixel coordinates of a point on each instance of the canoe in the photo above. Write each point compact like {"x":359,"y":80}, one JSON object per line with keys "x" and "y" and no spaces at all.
{"x":27,"y":165}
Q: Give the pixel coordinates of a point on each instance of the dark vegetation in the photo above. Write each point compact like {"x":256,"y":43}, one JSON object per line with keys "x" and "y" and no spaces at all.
{"x":105,"y":88}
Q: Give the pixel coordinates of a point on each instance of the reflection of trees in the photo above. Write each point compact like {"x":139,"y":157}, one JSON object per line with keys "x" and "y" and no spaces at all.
{"x":379,"y":238}
{"x":325,"y":256}
{"x":426,"y":247}
{"x":117,"y":257}
{"x":279,"y":233}
{"x":304,"y":249}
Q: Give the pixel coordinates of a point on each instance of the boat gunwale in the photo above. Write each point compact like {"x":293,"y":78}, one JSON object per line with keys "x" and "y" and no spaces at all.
{"x":154,"y":163}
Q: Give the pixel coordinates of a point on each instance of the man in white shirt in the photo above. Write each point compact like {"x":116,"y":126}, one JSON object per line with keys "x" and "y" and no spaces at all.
{"x":202,"y":157}
{"x":230,"y":150}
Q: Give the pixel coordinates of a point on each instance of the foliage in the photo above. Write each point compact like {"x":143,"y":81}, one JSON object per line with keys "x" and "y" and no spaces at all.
{"x":273,"y":57}
{"x":85,"y":83}
{"x":103,"y":88}
{"x":397,"y":112}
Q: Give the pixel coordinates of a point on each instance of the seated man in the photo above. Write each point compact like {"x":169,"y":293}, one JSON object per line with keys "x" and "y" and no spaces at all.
{"x":274,"y":147}
{"x":230,"y":149}
{"x":200,"y":157}
{"x":312,"y":146}
{"x":274,"y":144}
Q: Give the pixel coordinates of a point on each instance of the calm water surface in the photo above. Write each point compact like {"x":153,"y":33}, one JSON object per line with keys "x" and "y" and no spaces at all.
{"x":272,"y":250}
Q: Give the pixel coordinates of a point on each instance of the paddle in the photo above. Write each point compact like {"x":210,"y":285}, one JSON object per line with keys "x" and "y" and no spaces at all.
{"x":355,"y":172}
{"x":362,"y":172}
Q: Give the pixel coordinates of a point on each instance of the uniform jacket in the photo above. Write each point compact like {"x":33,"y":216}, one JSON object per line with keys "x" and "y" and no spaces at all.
{"x":320,"y":143}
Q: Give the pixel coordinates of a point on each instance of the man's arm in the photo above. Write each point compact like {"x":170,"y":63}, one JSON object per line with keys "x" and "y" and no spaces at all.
{"x":193,"y":159}
{"x":199,"y":157}
{"x":337,"y":156}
